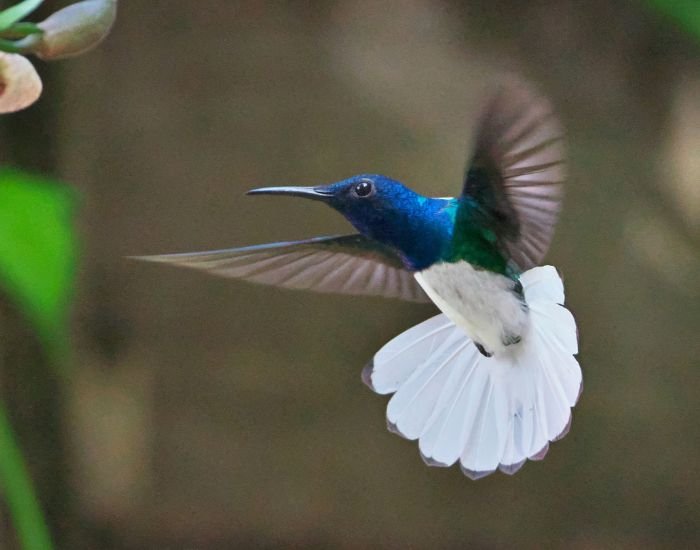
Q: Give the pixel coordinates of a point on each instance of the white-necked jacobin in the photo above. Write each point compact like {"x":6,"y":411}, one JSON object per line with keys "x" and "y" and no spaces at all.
{"x":491,"y":380}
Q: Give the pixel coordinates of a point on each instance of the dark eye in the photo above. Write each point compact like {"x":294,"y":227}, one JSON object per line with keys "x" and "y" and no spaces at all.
{"x":364,"y":189}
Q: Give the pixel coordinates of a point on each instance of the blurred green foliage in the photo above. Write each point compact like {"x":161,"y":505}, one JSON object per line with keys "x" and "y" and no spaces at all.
{"x":12,"y":15}
{"x":37,"y":270}
{"x":38,"y":252}
{"x":685,"y":12}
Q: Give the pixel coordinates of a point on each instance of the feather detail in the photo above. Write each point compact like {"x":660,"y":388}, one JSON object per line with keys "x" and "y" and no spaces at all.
{"x":347,"y":264}
{"x":516,"y":173}
{"x":485,"y":413}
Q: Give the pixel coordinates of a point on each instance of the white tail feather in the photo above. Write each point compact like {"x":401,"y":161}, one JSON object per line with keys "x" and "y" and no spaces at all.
{"x":487,"y":413}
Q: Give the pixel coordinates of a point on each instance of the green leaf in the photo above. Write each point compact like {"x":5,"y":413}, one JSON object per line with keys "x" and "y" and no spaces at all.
{"x":9,"y":46}
{"x":15,"y":13}
{"x":20,"y":30}
{"x":685,"y":12}
{"x":16,"y":487}
{"x":38,"y":252}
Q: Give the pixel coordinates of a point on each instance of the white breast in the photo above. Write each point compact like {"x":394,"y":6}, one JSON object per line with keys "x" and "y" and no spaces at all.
{"x":481,"y":302}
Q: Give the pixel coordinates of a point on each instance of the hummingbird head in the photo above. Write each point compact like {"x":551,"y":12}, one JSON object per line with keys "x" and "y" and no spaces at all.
{"x":385,"y":210}
{"x":376,"y":205}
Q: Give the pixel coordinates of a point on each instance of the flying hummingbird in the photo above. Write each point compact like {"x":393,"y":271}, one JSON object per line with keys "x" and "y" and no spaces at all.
{"x":491,"y":380}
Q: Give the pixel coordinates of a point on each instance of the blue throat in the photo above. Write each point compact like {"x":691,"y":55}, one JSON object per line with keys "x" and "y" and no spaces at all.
{"x":420,"y":230}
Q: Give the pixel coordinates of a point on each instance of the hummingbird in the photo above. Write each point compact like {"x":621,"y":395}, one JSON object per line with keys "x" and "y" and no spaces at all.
{"x":492,"y":379}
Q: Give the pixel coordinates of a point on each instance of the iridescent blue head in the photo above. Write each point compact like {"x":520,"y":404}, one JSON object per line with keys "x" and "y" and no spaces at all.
{"x":417,"y":227}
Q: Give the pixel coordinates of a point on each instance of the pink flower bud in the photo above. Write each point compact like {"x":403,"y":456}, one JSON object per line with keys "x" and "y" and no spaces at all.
{"x":75,"y":29}
{"x":20,"y":85}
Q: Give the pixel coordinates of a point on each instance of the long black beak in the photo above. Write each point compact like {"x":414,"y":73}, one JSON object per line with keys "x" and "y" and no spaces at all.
{"x":315,"y":193}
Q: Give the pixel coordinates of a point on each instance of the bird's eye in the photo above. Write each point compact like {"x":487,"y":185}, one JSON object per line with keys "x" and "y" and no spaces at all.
{"x":364,"y":189}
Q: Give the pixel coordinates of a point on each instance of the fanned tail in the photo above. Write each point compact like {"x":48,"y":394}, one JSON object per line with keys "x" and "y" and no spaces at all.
{"x":487,"y":413}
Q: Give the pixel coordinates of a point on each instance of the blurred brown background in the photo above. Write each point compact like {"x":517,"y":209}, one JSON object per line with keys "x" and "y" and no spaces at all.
{"x":205,"y":413}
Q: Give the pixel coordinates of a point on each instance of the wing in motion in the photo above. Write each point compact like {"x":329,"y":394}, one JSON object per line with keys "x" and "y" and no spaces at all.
{"x":347,"y":264}
{"x":517,"y":172}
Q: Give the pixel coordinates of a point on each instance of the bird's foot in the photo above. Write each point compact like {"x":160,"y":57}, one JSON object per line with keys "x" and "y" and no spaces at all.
{"x":510,"y":339}
{"x":482,"y":351}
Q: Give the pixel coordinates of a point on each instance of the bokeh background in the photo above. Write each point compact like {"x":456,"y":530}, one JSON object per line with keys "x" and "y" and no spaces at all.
{"x":210,"y":414}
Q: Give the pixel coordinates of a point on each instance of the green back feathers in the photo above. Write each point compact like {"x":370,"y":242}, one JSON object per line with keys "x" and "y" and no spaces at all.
{"x":473,"y":241}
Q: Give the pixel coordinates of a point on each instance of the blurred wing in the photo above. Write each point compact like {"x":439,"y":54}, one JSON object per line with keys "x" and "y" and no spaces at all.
{"x":348,"y":264}
{"x":517,"y":172}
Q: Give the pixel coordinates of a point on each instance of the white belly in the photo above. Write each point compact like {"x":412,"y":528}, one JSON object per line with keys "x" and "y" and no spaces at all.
{"x":482,"y":303}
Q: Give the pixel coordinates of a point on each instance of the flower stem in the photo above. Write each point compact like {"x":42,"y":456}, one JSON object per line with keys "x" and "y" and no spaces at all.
{"x":17,"y":489}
